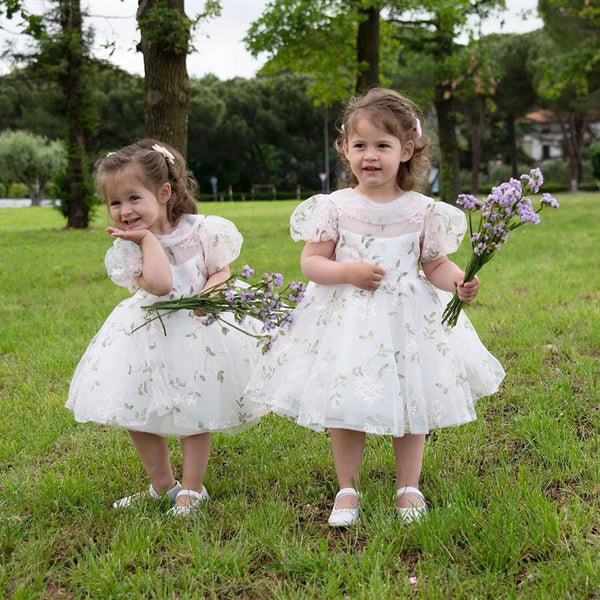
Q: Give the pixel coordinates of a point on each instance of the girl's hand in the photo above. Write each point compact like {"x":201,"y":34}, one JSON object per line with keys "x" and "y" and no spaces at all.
{"x":135,"y":235}
{"x":364,"y":275}
{"x":467,"y":291}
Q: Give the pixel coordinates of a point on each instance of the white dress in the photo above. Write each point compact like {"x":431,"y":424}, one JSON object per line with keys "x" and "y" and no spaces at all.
{"x":379,"y":362}
{"x":186,"y":382}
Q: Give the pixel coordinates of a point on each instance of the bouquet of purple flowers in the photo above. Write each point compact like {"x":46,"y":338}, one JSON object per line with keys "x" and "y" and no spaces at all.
{"x":505,"y":209}
{"x":267,"y":301}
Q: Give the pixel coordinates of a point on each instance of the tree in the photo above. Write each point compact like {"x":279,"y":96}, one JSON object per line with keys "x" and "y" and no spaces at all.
{"x":569,"y":71}
{"x":30,"y":159}
{"x":427,"y":29}
{"x":166,"y":34}
{"x":514,"y":95}
{"x":335,"y":42}
{"x":63,"y":52}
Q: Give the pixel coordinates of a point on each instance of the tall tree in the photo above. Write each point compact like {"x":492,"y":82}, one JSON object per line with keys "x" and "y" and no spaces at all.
{"x":166,"y":36}
{"x":334,"y":41}
{"x":570,"y":71}
{"x":63,"y":52}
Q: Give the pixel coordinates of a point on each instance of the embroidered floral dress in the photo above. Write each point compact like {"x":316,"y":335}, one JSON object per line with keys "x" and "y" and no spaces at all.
{"x":186,"y":382}
{"x":379,"y":362}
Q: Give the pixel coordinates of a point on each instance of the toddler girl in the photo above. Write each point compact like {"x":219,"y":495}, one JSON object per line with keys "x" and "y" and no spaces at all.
{"x":185,"y":383}
{"x":367,"y":352}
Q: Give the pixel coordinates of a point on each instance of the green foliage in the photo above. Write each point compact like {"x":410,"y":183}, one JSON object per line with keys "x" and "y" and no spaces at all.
{"x":30,"y":159}
{"x":514,"y":495}
{"x":171,"y":29}
{"x":263,"y":130}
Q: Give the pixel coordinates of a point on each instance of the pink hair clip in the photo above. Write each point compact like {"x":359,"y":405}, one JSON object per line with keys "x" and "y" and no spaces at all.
{"x":417,"y":128}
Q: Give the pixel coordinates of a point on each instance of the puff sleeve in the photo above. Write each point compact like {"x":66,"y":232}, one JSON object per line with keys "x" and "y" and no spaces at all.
{"x":314,"y":220}
{"x":443,"y":230}
{"x":123,"y":263}
{"x":221,"y":242}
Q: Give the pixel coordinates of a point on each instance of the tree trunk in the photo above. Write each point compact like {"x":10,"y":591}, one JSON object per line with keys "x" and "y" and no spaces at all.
{"x":73,"y":88}
{"x":572,"y":128}
{"x":475,"y":118}
{"x":512,"y":146}
{"x":367,"y":50}
{"x":167,"y":91}
{"x":450,"y":164}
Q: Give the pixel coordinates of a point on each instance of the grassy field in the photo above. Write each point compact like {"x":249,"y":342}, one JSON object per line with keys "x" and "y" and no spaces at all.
{"x":514,"y":495}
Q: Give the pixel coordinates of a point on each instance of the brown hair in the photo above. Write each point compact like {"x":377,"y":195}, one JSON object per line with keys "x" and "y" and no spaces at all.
{"x":395,"y":114}
{"x":155,"y":168}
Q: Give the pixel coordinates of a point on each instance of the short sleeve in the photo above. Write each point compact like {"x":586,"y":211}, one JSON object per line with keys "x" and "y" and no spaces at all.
{"x":443,"y":230}
{"x":221,"y":242}
{"x":123,"y":263}
{"x":314,"y":220}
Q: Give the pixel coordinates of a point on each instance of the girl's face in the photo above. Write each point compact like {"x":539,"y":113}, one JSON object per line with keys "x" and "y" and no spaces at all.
{"x":133,"y":206}
{"x":375,"y":157}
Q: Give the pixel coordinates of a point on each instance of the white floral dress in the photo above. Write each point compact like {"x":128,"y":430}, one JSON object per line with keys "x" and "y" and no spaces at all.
{"x":186,"y":382}
{"x":379,"y":362}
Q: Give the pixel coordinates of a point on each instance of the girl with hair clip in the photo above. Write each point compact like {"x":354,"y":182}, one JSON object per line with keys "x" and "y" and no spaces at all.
{"x":367,"y":352}
{"x":184,"y":381}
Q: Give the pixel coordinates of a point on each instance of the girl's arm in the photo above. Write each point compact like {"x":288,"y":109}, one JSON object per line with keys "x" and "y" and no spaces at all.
{"x":446,"y":275}
{"x":223,"y":274}
{"x":155,"y":277}
{"x":317,"y":265}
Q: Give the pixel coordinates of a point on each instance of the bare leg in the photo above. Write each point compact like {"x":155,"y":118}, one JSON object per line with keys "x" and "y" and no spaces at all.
{"x":348,"y":448}
{"x":154,"y":454}
{"x":195,"y":453}
{"x":408,"y":451}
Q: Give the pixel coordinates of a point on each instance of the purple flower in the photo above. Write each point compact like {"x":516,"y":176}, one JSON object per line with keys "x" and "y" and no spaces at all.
{"x":469,"y":202}
{"x":534,"y":180}
{"x":548,"y":200}
{"x":247,"y":272}
{"x":209,"y":319}
{"x":229,"y":295}
{"x":278,"y":279}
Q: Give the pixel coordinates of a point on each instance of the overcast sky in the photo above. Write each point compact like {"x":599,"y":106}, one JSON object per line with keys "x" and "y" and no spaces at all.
{"x":219,"y":41}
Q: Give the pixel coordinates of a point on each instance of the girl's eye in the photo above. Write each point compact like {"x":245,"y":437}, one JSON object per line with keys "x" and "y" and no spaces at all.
{"x":114,"y":203}
{"x":134,"y":198}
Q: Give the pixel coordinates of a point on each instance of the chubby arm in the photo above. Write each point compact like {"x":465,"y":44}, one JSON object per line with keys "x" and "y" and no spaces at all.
{"x":446,"y":275}
{"x":318,"y":266}
{"x":156,"y":275}
{"x":218,"y":277}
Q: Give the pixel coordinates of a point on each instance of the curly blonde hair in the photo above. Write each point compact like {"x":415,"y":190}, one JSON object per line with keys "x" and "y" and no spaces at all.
{"x":155,"y":168}
{"x":399,"y":116}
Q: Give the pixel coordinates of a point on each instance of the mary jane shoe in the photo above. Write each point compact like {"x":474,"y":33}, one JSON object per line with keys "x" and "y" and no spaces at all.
{"x":184,"y":511}
{"x":149,"y":494}
{"x":411,"y":514}
{"x":344,"y":517}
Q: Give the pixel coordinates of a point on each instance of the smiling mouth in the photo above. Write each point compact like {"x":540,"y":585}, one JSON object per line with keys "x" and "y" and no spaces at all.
{"x":131,"y":222}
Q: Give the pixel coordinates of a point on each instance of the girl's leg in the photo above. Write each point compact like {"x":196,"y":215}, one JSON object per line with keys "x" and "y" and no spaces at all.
{"x":195,"y":453}
{"x":154,"y":454}
{"x":408,"y":451}
{"x":348,"y":448}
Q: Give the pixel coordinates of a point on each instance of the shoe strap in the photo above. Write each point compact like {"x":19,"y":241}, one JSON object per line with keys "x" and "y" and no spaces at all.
{"x":191,"y":494}
{"x":156,"y":496}
{"x":407,"y":489}
{"x":346,"y":492}
{"x":153,"y":493}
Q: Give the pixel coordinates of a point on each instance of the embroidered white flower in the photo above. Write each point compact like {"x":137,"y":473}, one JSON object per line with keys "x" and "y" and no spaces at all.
{"x":168,"y":155}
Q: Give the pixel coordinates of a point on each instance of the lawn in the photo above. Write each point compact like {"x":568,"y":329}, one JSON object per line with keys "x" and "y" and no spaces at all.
{"x":514,"y":495}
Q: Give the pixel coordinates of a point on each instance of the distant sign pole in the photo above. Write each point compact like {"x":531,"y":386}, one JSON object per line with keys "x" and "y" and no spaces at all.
{"x":323,"y":178}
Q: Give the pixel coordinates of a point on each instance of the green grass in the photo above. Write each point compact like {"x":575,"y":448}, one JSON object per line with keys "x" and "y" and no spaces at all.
{"x":515,"y":495}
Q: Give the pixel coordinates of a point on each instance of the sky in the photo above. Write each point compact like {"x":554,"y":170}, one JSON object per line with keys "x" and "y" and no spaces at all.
{"x":220,"y":49}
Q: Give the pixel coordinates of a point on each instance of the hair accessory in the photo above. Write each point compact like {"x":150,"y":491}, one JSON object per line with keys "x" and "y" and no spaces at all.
{"x":109,"y":154}
{"x":162,"y":150}
{"x":417,"y":128}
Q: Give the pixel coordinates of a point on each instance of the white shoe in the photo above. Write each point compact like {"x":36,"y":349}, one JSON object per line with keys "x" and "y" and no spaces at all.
{"x":344,"y":517}
{"x":411,"y":514}
{"x":184,"y":511}
{"x":149,"y":494}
